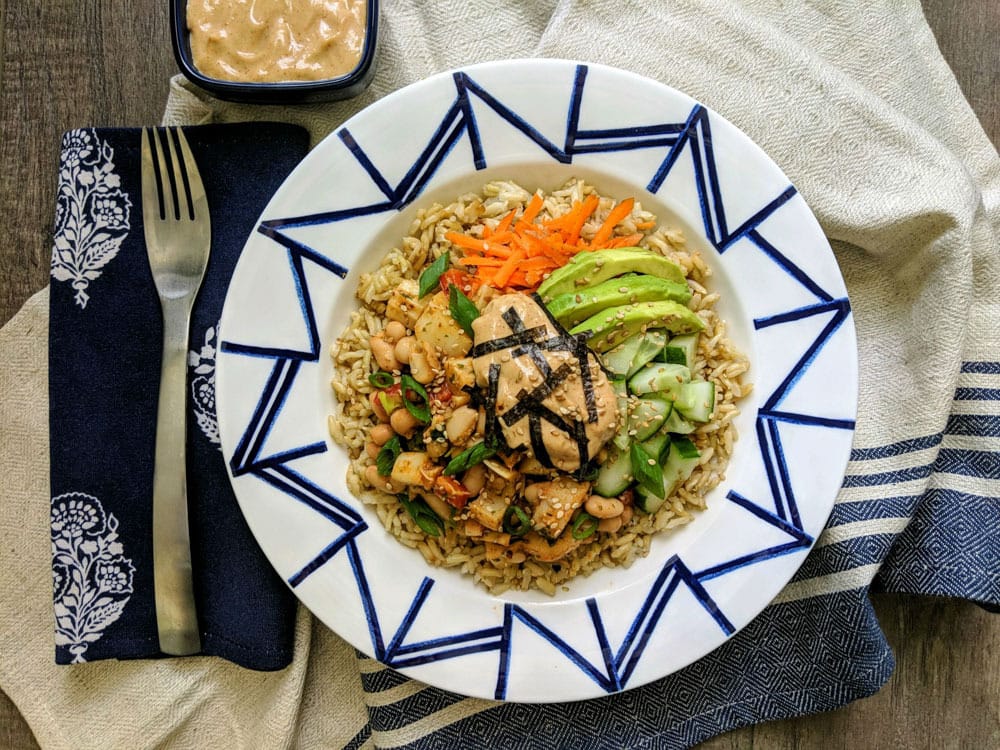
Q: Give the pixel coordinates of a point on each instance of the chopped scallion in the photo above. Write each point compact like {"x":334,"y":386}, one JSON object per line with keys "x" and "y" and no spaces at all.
{"x":387,"y":455}
{"x":515,"y":521}
{"x":432,"y":274}
{"x":462,"y":309}
{"x":419,"y":408}
{"x":646,"y":470}
{"x":468,"y":458}
{"x":422,"y":515}
{"x":381,"y":379}
{"x":584,"y":526}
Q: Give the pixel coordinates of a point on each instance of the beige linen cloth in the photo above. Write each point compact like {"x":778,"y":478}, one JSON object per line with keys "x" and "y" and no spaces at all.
{"x":852,"y":100}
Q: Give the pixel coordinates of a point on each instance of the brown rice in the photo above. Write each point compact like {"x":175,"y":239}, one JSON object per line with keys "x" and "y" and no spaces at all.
{"x":718,"y":361}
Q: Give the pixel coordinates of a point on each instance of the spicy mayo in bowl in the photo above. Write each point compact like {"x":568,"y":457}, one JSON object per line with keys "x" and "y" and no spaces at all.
{"x":277,"y":51}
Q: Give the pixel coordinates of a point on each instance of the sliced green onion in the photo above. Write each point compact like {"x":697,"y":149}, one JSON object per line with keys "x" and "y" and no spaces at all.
{"x":515,"y":521}
{"x":381,"y":379}
{"x":432,"y":274}
{"x":422,"y":515}
{"x":419,"y":409}
{"x":462,"y":309}
{"x":468,"y":458}
{"x":685,"y":447}
{"x":387,"y":456}
{"x":584,"y":525}
{"x":409,"y":384}
{"x":646,"y":470}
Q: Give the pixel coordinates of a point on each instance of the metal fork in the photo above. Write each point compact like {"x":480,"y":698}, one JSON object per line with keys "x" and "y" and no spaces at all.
{"x":178,"y":240}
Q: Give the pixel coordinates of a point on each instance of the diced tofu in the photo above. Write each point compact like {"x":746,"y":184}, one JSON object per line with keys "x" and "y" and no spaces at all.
{"x":415,"y":468}
{"x":492,"y":502}
{"x":537,"y":547}
{"x":404,"y":304}
{"x":555,"y":503}
{"x":488,"y":510}
{"x":459,"y":373}
{"x":436,"y":326}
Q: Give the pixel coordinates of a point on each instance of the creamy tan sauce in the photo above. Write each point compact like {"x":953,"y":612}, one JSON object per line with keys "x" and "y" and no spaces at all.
{"x":261,"y":41}
{"x":520,"y":376}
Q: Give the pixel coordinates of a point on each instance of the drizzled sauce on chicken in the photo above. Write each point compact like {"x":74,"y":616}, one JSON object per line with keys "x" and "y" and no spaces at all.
{"x":546,"y":391}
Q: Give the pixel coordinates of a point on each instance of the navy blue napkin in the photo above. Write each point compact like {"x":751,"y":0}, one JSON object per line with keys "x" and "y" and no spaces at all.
{"x":104,"y":364}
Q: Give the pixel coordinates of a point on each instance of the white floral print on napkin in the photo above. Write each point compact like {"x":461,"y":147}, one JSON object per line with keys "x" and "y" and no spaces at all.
{"x":92,"y":212}
{"x":91,"y":577}
{"x":202,"y":364}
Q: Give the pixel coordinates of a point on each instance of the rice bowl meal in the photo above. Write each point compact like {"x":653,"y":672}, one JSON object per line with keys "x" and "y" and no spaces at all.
{"x":535,"y":385}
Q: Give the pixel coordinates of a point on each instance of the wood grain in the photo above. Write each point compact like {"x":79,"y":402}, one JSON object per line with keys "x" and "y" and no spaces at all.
{"x":67,"y":63}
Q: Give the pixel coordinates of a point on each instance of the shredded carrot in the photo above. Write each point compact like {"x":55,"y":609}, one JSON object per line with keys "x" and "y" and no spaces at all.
{"x":534,"y":206}
{"x":519,"y":252}
{"x":505,"y":271}
{"x":480,"y":260}
{"x":506,"y":221}
{"x":616,"y":214}
{"x":465,"y":241}
{"x":626,"y":240}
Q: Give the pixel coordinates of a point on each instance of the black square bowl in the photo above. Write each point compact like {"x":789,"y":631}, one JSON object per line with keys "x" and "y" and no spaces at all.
{"x":285,"y":92}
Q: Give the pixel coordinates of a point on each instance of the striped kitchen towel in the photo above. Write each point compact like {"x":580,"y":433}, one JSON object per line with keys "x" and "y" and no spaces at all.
{"x":854,"y":102}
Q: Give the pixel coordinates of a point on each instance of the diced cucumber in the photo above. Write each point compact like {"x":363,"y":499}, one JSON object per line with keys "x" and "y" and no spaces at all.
{"x":647,"y":416}
{"x":672,"y":355}
{"x":647,"y":501}
{"x":697,"y":400}
{"x":681,"y":350}
{"x":615,"y":474}
{"x":659,"y":377}
{"x":678,"y":425}
{"x":621,"y":438}
{"x":619,"y":360}
{"x":682,"y":458}
{"x":651,"y":343}
{"x":657,"y":445}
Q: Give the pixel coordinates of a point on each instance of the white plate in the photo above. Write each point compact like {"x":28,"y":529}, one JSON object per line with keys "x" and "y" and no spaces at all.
{"x":538,"y":122}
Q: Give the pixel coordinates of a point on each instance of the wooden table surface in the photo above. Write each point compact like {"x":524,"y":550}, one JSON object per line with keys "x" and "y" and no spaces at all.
{"x":67,"y":63}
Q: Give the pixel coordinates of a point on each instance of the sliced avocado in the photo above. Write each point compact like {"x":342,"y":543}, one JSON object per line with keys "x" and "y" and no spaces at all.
{"x":572,"y":307}
{"x":613,"y":325}
{"x":591,"y":267}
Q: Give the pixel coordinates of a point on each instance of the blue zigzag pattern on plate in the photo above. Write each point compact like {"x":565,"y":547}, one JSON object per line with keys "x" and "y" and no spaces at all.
{"x":616,"y":668}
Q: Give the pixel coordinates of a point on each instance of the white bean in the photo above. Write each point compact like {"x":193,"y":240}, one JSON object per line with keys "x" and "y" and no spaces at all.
{"x":381,"y":434}
{"x":420,"y":367}
{"x":384,"y":353}
{"x":604,"y":507}
{"x":474,"y":479}
{"x":394,"y":331}
{"x":403,"y":422}
{"x":378,"y":482}
{"x":461,"y":424}
{"x":610,"y":525}
{"x":403,"y":349}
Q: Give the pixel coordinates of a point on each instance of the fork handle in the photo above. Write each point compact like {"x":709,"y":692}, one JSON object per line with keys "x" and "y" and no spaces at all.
{"x":176,"y":618}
